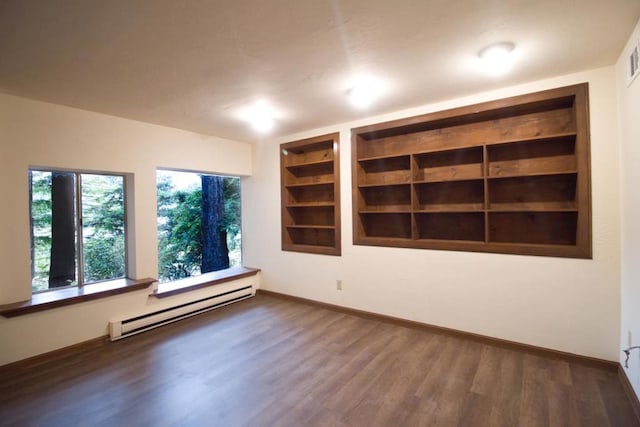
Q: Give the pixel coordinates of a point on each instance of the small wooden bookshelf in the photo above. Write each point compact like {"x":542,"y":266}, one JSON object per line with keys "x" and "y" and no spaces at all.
{"x":310,"y":190}
{"x":508,"y":176}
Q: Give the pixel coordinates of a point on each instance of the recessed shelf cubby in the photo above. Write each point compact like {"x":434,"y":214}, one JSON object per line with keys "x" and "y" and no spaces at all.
{"x":313,"y":173}
{"x":451,"y":226}
{"x":307,"y":239}
{"x":507,"y":176}
{"x":448,"y":165}
{"x":386,"y":197}
{"x":386,"y":170}
{"x":449,"y":196}
{"x":542,"y":228}
{"x":387,"y":225}
{"x":556,"y":191}
{"x":553,"y":155}
{"x":310,"y":191}
{"x":311,"y":215}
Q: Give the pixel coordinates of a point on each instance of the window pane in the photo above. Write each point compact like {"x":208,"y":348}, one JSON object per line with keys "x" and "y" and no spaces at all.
{"x":53,"y":231}
{"x":103,"y":227}
{"x":198,"y":223}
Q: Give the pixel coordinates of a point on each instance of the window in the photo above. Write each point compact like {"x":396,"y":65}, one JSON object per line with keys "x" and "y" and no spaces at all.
{"x":77,"y":228}
{"x":198,"y":224}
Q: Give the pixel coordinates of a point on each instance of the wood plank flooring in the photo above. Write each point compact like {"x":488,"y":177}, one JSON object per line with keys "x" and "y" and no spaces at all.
{"x":274,"y":362}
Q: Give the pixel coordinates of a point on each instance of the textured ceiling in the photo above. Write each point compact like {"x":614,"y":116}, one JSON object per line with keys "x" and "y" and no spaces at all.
{"x":192,"y":64}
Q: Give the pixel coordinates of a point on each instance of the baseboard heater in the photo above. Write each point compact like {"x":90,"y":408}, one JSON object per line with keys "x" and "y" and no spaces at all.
{"x":126,"y":327}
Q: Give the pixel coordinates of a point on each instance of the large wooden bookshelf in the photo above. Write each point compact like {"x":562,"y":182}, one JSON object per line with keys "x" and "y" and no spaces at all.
{"x":310,"y":181}
{"x":508,"y":176}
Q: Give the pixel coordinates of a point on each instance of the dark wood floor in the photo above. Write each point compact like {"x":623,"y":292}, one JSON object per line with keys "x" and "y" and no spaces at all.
{"x":273,"y":362}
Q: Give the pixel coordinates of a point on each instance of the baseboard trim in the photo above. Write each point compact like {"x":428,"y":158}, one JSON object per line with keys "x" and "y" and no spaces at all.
{"x":35,"y":361}
{"x":498,"y":342}
{"x":628,"y":389}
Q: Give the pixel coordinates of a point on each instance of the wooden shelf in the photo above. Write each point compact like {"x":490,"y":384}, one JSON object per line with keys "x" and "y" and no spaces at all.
{"x":532,"y":209}
{"x":310,"y":184}
{"x":314,"y":227}
{"x":434,"y":242}
{"x":449,"y":209}
{"x":324,"y":162}
{"x":480,"y":143}
{"x":508,"y":176}
{"x":557,"y":135}
{"x":312,"y":249}
{"x":385,"y":210}
{"x":383,"y":158}
{"x":309,"y":204}
{"x":435,"y":181}
{"x":310,"y":191}
{"x":74,"y":295}
{"x":387,"y":185}
{"x":387,"y":241}
{"x":532,"y":175}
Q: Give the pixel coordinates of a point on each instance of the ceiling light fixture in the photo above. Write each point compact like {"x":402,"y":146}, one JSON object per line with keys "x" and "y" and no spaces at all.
{"x":261,"y":116}
{"x":363,"y":91}
{"x":497,"y":59}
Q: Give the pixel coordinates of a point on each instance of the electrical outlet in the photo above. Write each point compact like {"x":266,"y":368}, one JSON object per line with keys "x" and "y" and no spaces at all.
{"x":629,"y":339}
{"x":339,"y":285}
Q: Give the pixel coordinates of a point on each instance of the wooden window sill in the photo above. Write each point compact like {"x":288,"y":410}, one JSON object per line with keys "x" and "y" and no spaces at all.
{"x":204,"y":280}
{"x":68,"y":296}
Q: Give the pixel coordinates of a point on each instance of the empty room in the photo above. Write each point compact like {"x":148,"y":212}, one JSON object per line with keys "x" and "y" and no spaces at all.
{"x":320,"y":213}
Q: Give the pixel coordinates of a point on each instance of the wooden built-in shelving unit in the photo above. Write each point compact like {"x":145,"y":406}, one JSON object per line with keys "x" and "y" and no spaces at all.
{"x":310,"y":180}
{"x":508,"y":176}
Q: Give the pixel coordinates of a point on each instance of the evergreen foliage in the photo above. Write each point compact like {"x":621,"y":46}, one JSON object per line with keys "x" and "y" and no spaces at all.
{"x":103,"y":220}
{"x":180,"y":224}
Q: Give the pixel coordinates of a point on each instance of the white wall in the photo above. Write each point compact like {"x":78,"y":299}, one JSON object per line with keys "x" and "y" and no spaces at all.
{"x":39,"y":134}
{"x":629,"y":107}
{"x":565,"y":304}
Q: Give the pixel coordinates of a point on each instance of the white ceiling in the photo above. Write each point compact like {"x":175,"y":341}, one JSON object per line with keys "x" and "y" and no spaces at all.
{"x":191,"y":64}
